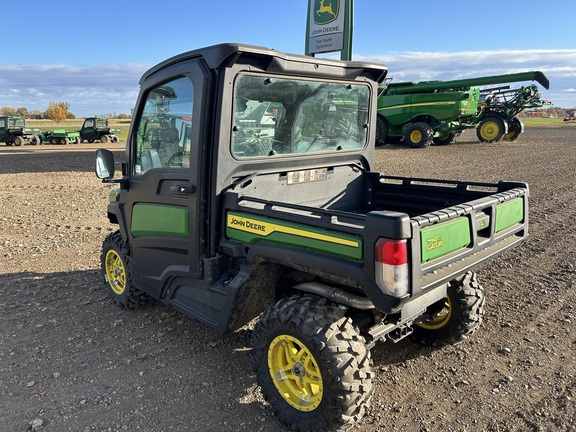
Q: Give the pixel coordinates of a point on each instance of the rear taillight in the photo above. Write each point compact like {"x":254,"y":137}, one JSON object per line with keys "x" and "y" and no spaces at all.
{"x":391,"y":266}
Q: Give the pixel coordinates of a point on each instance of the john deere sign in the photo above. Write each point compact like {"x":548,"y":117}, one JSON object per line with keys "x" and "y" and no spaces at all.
{"x":329,"y":26}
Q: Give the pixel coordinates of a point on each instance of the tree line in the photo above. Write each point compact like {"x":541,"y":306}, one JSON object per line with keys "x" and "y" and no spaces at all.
{"x":57,"y":112}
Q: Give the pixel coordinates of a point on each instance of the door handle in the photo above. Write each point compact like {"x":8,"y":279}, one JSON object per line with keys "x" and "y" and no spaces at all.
{"x":185,"y":188}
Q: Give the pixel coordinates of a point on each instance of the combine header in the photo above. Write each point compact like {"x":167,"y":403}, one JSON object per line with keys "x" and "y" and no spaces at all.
{"x":421,"y":113}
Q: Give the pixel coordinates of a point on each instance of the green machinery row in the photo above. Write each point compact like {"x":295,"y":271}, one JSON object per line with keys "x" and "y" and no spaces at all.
{"x":13,"y":131}
{"x":414,"y":113}
{"x":421,"y":113}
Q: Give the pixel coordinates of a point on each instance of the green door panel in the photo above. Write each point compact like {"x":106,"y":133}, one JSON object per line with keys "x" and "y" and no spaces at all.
{"x":160,"y":220}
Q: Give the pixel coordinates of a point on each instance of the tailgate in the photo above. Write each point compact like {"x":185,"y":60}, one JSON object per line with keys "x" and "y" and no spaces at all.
{"x":448,"y":242}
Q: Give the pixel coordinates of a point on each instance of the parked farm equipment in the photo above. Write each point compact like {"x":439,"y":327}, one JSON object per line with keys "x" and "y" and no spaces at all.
{"x":501,"y":106}
{"x":94,"y":129}
{"x":13,"y":131}
{"x":59,"y":136}
{"x":570,"y":115}
{"x":422,"y":113}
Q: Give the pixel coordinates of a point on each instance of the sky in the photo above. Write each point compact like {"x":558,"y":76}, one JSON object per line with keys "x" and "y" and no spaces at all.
{"x":92,"y":54}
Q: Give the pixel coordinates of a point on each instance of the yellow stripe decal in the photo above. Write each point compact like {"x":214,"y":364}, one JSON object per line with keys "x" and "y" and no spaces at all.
{"x":418,"y":105}
{"x":264,"y":229}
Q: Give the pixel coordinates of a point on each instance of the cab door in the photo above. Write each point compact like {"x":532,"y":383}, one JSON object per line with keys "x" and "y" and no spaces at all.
{"x":162,"y":201}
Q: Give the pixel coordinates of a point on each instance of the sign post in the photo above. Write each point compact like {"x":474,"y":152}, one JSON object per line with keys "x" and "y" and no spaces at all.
{"x":329,"y":27}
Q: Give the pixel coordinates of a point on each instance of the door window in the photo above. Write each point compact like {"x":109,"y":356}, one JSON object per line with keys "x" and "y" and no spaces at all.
{"x":164,"y":128}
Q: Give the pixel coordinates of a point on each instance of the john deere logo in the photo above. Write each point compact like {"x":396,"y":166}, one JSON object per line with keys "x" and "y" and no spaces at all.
{"x":326,"y":11}
{"x":434,"y":243}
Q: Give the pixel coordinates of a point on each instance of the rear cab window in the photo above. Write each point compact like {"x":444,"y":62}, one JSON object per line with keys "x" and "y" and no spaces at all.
{"x":275,"y":117}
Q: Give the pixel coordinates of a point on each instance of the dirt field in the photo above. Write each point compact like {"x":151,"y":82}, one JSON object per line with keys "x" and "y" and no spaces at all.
{"x":72,"y":361}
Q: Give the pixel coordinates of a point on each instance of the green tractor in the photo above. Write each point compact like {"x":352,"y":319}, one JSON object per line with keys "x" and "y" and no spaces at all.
{"x":421,"y":113}
{"x":13,"y":131}
{"x":97,"y":129}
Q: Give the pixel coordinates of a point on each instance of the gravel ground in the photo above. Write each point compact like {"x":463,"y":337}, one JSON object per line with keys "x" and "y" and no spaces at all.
{"x":72,"y":361}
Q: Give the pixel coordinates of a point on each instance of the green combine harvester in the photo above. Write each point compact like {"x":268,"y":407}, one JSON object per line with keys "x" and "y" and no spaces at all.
{"x":421,"y":113}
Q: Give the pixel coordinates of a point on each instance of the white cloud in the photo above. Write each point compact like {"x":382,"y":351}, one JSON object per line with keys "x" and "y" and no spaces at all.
{"x":558,"y":65}
{"x":88,"y":89}
{"x":113,"y":88}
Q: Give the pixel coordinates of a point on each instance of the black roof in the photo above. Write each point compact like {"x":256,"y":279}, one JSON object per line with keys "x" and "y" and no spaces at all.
{"x":227,"y":54}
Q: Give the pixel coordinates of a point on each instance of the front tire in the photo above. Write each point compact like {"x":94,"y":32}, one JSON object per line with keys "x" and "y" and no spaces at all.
{"x":116,"y":271}
{"x":380,"y":131}
{"x":456,"y":316}
{"x":312,"y":364}
{"x":418,"y":135}
{"x":491,"y":129}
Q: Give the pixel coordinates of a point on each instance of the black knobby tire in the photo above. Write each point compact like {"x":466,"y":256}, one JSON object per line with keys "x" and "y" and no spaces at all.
{"x":329,"y":362}
{"x":380,"y":131}
{"x":115,"y":263}
{"x":514,"y":129}
{"x":446,"y":139}
{"x":418,"y":135}
{"x":457,"y":316}
{"x":491,"y":129}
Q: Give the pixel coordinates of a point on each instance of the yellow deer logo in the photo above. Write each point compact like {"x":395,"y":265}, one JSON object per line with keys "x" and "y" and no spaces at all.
{"x":325,"y":11}
{"x":324,"y":8}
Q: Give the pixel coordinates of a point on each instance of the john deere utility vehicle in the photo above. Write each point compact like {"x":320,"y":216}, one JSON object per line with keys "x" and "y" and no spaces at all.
{"x":97,"y":129}
{"x":248,"y":190}
{"x":13,"y":131}
{"x":421,"y":113}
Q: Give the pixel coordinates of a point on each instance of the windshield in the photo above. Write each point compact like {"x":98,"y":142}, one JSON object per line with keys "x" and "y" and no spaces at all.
{"x":284,"y":116}
{"x":17,"y":122}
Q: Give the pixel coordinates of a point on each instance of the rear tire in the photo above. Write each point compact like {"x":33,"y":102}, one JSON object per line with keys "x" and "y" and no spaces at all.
{"x":446,"y":139}
{"x":104,"y":138}
{"x":418,"y":135}
{"x":18,"y":141}
{"x":312,"y":364}
{"x":456,"y":316}
{"x":515,"y":128}
{"x":117,"y":275}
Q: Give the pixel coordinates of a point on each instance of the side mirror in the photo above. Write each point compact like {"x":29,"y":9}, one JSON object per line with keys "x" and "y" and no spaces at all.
{"x":104,"y":164}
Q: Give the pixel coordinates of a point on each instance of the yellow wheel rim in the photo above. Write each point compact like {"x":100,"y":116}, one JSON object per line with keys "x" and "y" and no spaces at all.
{"x":115,"y":272}
{"x":509,"y":135}
{"x":489,"y":130}
{"x":416,"y":136}
{"x":295,"y":373}
{"x":440,"y":318}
